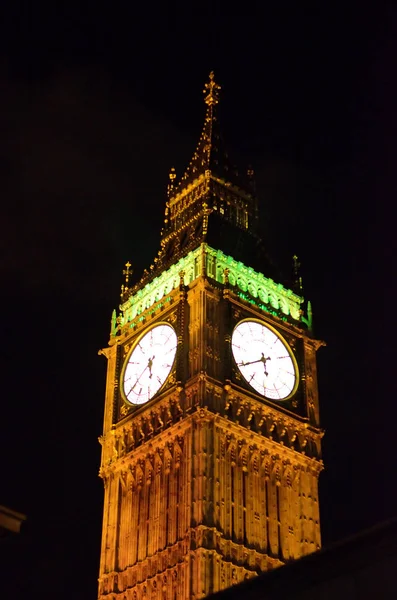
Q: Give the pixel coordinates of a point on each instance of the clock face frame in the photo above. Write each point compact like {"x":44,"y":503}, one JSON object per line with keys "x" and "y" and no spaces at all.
{"x":149,"y":364}
{"x":265,"y":360}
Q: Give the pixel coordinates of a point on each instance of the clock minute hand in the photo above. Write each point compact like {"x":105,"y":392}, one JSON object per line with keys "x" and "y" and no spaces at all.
{"x":137,"y":381}
{"x":252,"y":362}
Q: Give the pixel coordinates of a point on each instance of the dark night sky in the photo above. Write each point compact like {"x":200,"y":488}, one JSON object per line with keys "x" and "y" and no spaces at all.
{"x":95,"y":107}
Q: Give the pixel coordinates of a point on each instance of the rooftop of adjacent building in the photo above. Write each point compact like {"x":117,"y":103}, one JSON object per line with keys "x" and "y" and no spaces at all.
{"x":10,"y":521}
{"x":359,"y":567}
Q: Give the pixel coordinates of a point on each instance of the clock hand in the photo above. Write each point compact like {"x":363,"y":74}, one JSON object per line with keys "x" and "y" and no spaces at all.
{"x":252,"y":362}
{"x":150,"y":364}
{"x":263,"y":359}
{"x":137,"y":381}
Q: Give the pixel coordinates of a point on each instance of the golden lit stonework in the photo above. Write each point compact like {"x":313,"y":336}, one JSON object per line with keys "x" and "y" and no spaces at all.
{"x":211,"y":448}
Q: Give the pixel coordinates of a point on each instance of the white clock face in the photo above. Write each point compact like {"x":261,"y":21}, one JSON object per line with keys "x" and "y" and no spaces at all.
{"x":149,"y":364}
{"x":264,"y":360}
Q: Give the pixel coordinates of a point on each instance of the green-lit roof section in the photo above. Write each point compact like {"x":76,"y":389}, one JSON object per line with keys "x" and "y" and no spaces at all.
{"x":244,"y":281}
{"x":251,"y":285}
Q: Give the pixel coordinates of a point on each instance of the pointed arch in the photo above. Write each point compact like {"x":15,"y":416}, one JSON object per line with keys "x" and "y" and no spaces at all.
{"x":139,"y":476}
{"x":148,"y":471}
{"x":244,"y":458}
{"x":255,"y":463}
{"x":252,"y":289}
{"x":232,"y":278}
{"x":157,"y":464}
{"x":273,"y":299}
{"x":242,"y":284}
{"x":167,"y":460}
{"x":233,"y":453}
{"x":263,"y":295}
{"x":177,"y":455}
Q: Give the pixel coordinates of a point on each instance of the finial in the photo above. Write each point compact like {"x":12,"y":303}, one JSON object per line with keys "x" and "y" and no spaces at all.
{"x":297,"y":278}
{"x":113,"y":326}
{"x":212,"y":90}
{"x":172,"y":177}
{"x":310,"y":315}
{"x":309,"y":319}
{"x":127,"y":272}
{"x":251,"y":178}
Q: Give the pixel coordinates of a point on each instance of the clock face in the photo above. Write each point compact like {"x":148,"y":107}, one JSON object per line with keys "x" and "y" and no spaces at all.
{"x":149,"y":364}
{"x":264,"y":360}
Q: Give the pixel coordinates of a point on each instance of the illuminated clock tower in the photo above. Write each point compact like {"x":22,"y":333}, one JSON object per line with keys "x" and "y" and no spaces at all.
{"x":211,"y":448}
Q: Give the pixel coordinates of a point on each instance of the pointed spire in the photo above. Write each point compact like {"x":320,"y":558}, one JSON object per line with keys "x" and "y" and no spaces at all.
{"x":125,"y":288}
{"x":308,"y":320}
{"x":310,"y":315}
{"x":113,"y":324}
{"x":251,"y":177}
{"x":171,"y":184}
{"x":298,"y":285}
{"x":210,"y":154}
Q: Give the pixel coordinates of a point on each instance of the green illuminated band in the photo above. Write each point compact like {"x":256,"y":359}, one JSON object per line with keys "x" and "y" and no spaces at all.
{"x":250,"y":285}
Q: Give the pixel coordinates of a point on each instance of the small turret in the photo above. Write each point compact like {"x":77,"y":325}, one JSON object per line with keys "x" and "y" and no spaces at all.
{"x":298,"y":284}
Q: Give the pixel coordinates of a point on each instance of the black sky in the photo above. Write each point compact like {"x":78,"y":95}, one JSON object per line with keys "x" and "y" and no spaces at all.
{"x":95,"y":107}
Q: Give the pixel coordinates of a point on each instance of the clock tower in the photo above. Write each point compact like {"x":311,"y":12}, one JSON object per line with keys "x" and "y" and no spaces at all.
{"x":211,"y":446}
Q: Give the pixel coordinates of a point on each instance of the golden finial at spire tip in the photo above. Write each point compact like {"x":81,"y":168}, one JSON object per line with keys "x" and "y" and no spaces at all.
{"x":211,"y":89}
{"x":172,"y":174}
{"x":127,"y":272}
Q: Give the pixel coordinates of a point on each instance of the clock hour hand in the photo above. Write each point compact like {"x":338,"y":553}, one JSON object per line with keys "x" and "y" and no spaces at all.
{"x":263,"y":359}
{"x":150,"y":364}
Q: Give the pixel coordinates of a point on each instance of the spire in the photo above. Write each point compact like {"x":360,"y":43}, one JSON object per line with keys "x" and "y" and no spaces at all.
{"x":297,"y":285}
{"x":210,"y":154}
{"x":172,"y":177}
{"x":125,"y":288}
{"x":113,"y":324}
